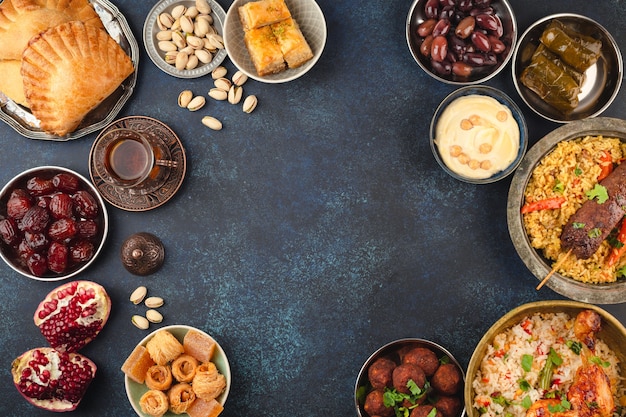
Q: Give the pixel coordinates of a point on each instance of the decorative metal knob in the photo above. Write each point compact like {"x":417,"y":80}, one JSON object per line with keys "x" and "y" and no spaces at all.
{"x":142,"y":253}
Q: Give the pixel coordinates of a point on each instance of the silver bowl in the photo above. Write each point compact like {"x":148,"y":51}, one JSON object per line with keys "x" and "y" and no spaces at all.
{"x":603,"y":79}
{"x":391,"y":350}
{"x":610,"y":293}
{"x":502,"y":9}
{"x":102,"y":220}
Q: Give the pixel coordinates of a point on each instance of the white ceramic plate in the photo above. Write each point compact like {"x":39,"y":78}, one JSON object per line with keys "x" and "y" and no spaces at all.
{"x":150,"y":29}
{"x":312,"y":24}
{"x":134,"y":390}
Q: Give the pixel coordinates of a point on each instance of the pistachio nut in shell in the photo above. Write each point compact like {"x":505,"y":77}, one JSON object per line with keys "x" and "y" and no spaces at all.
{"x":196,"y":103}
{"x":249,"y":104}
{"x":184,"y":98}
{"x":234,"y":94}
{"x":181,"y":61}
{"x":192,"y":62}
{"x":203,"y":55}
{"x":203,"y":6}
{"x":153,"y":302}
{"x":212,"y":123}
{"x":222,"y":84}
{"x":218,"y":94}
{"x":154,"y":316}
{"x":219,"y":72}
{"x":138,"y":295}
{"x":239,"y":78}
{"x":140,"y":322}
{"x":178,"y":11}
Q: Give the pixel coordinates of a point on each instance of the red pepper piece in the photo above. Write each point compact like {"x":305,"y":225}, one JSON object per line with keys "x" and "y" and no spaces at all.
{"x":616,"y":253}
{"x":546,"y":204}
{"x":606,"y":164}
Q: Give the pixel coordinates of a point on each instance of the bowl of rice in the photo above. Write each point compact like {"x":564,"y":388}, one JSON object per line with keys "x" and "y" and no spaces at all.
{"x":505,"y":375}
{"x":557,"y":176}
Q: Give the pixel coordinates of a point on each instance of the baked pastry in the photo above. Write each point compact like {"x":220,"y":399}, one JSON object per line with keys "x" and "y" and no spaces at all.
{"x":264,"y":51}
{"x":184,"y":368}
{"x":69,"y":70}
{"x":256,"y":14}
{"x":154,"y":403}
{"x":208,"y":383}
{"x":294,"y":47}
{"x":137,"y":364}
{"x":11,"y":83}
{"x":180,"y":396}
{"x":198,"y":345}
{"x":164,"y":347}
{"x":159,"y":377}
{"x":20,"y":20}
{"x":202,"y":408}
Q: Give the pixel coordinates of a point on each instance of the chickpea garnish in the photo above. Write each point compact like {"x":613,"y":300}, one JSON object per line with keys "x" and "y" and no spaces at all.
{"x":466,"y":124}
{"x":474,"y":164}
{"x":455,"y":150}
{"x":486,"y":164}
{"x":485,"y":148}
{"x":463,"y":158}
{"x":502,"y":116}
{"x":475,"y":120}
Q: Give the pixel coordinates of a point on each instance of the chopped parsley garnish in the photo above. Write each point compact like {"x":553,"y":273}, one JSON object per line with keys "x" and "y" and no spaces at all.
{"x":595,"y":232}
{"x":527,"y":402}
{"x":598,"y":192}
{"x":621,"y":272}
{"x":527,"y":362}
{"x":559,"y":187}
{"x":578,"y":225}
{"x":397,"y":400}
{"x":564,"y":405}
{"x":600,"y":362}
{"x":524,"y":385}
{"x":578,"y":172}
{"x":574,"y":346}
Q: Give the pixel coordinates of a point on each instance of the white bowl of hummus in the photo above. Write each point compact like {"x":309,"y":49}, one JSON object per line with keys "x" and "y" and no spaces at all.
{"x":478,"y":134}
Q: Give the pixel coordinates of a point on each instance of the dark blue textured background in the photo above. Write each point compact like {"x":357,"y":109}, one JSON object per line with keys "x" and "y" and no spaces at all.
{"x":308,"y":233}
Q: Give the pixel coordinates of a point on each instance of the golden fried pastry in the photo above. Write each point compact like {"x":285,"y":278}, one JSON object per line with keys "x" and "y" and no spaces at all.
{"x":256,"y":14}
{"x":11,"y":83}
{"x":202,"y":408}
{"x":20,"y":20}
{"x":295,"y":49}
{"x":137,"y":364}
{"x":208,"y":383}
{"x":264,"y":51}
{"x":159,"y":377}
{"x":164,"y":347}
{"x":184,"y":368}
{"x":181,"y":396}
{"x":154,"y":403}
{"x":69,"y":70}
{"x":199,"y":345}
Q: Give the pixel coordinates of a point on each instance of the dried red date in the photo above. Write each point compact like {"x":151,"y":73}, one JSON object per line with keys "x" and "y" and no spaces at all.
{"x":18,"y":206}
{"x":65,"y":182}
{"x":39,"y":186}
{"x":465,"y":27}
{"x":426,"y":27}
{"x":9,"y":232}
{"x":35,"y":220}
{"x":439,"y":48}
{"x":85,"y":204}
{"x":86,"y":229}
{"x":62,"y":229}
{"x":61,"y":206}
{"x":57,"y":257}
{"x":81,"y":251}
{"x":37,"y":264}
{"x":36,"y":241}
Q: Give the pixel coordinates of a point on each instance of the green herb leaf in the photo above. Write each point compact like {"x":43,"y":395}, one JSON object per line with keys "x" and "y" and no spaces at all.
{"x":598,"y":192}
{"x":524,"y":385}
{"x":621,"y":272}
{"x":578,"y":172}
{"x":527,"y":362}
{"x":574,"y":346}
{"x":599,"y":361}
{"x":432,"y":413}
{"x":595,"y":232}
{"x":527,"y":402}
{"x":578,"y":225}
{"x":559,"y":187}
{"x":500,"y":400}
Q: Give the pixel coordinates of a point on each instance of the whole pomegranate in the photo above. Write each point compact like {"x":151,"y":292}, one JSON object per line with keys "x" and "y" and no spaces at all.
{"x":52,"y":380}
{"x":73,"y":314}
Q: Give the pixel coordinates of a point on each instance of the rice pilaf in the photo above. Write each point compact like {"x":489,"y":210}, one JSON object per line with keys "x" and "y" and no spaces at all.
{"x":498,"y":385}
{"x":569,"y":171}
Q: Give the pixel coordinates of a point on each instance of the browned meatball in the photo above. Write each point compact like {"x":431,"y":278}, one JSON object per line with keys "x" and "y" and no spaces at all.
{"x":424,"y":358}
{"x":406,"y":372}
{"x":447,"y":379}
{"x":449,"y":406}
{"x":375,"y":406}
{"x":380,"y":373}
{"x":423,"y":411}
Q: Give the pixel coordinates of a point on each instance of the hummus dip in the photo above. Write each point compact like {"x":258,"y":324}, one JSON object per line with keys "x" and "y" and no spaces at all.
{"x":477,"y":136}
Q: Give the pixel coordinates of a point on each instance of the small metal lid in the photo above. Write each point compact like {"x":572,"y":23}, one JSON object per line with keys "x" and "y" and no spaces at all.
{"x":142,"y":253}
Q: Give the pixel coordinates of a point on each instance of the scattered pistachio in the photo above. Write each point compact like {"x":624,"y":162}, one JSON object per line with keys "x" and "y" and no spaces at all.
{"x":140,"y":322}
{"x":212,"y":123}
{"x":219,"y":72}
{"x":153,"y":302}
{"x":223,"y":84}
{"x":249,"y":104}
{"x":239,"y":78}
{"x":154,"y":316}
{"x":184,"y":98}
{"x":234,"y":94}
{"x":218,"y":94}
{"x":196,"y":103}
{"x":138,"y":295}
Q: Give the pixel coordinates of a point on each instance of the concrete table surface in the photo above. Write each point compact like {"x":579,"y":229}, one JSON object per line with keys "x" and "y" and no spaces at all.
{"x":308,"y":233}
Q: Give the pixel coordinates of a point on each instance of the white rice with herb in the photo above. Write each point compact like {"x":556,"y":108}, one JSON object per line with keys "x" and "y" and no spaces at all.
{"x":499,"y":385}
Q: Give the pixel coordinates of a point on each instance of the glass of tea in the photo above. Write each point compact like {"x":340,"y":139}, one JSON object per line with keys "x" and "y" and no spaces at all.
{"x":131,"y":161}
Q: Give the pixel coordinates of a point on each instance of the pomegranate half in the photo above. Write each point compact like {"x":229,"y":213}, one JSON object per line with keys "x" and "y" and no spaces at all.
{"x":73,"y":314}
{"x":52,"y":380}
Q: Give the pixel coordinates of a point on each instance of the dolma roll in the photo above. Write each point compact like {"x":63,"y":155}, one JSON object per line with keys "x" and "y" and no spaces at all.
{"x":577,"y":76}
{"x":569,"y":49}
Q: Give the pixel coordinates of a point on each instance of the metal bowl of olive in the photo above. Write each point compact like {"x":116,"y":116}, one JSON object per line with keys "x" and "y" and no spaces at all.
{"x":466,"y":42}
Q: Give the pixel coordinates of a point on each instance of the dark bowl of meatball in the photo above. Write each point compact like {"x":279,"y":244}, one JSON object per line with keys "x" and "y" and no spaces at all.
{"x":414,"y":377}
{"x":53,"y":223}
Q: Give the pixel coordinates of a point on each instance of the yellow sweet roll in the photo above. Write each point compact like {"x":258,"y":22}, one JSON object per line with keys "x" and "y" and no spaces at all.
{"x":164,"y":347}
{"x":208,"y":383}
{"x":181,"y":396}
{"x":184,"y":368}
{"x":159,"y":377}
{"x":154,"y":403}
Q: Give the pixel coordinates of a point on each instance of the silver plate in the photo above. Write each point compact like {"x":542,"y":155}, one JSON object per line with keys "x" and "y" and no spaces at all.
{"x":609,"y":293}
{"x":23,"y":121}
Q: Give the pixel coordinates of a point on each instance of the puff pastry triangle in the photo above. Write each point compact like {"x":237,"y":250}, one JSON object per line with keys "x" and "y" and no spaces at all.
{"x":20,"y":20}
{"x":68,"y":70}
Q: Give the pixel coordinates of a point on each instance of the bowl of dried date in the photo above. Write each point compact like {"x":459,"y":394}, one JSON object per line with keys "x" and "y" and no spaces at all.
{"x":461,"y":42}
{"x":53,"y":223}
